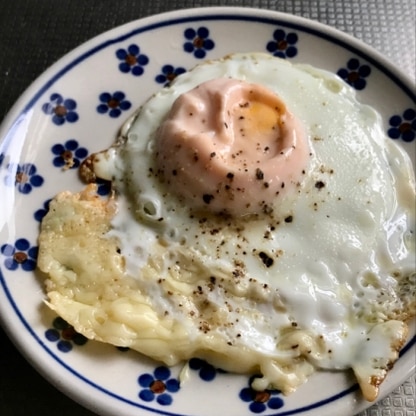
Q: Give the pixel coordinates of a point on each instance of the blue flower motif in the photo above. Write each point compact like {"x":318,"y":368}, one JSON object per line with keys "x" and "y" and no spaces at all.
{"x":68,"y":155}
{"x":198,"y":42}
{"x":206,"y":371}
{"x":169,"y":73}
{"x":103,"y":187}
{"x":61,"y":109}
{"x":114,"y":103}
{"x":158,"y":385}
{"x":283,"y":45}
{"x":40,"y":213}
{"x":132,"y":60}
{"x":259,"y":401}
{"x":355,"y":73}
{"x":20,"y":254}
{"x":64,"y":335}
{"x":403,"y":126}
{"x":2,"y":157}
{"x":24,"y":177}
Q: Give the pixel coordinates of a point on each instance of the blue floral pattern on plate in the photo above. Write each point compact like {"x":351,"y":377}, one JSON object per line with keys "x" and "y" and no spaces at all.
{"x":61,"y":109}
{"x":69,"y":154}
{"x":168,"y":73}
{"x":260,"y":401}
{"x":64,"y":335}
{"x":132,"y":60}
{"x":206,"y":371}
{"x":355,"y":74}
{"x":198,"y":42}
{"x":403,"y":126}
{"x":283,"y":44}
{"x":157,"y":385}
{"x":103,"y":187}
{"x":113,"y":103}
{"x":24,"y":177}
{"x":20,"y":254}
{"x":41,"y":212}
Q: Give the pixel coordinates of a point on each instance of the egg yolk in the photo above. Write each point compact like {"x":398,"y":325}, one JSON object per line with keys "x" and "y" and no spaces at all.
{"x":232,"y":147}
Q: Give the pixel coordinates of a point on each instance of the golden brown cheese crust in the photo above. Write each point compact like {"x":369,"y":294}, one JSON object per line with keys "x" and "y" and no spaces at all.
{"x":371,"y":374}
{"x":87,"y":286}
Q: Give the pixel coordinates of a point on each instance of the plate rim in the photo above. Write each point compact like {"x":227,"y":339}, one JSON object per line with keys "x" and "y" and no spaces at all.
{"x":67,"y":61}
{"x":357,"y":45}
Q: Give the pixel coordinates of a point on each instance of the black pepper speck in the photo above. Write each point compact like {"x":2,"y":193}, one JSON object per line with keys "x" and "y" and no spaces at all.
{"x":259,"y":174}
{"x":207,"y":198}
{"x":266,"y":259}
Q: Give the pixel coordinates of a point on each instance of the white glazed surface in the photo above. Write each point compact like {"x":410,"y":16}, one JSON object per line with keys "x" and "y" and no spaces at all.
{"x":99,"y":376}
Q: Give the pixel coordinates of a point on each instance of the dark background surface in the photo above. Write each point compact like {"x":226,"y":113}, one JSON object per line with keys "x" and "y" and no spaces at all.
{"x":35,"y":34}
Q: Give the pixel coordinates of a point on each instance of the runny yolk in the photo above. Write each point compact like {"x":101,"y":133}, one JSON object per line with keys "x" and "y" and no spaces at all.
{"x":256,"y":124}
{"x":230,"y":146}
{"x":259,"y":120}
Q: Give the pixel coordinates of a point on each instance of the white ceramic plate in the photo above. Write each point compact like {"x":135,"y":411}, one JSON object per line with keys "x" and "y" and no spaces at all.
{"x":78,"y":106}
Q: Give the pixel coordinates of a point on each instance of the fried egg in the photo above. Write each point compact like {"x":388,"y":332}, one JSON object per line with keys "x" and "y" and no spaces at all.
{"x":261,"y":220}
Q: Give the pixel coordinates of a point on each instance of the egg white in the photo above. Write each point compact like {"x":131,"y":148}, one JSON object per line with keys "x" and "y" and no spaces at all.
{"x":298,"y":288}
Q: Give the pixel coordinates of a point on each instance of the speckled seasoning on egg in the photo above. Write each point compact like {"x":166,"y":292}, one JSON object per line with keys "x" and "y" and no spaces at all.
{"x":261,"y":221}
